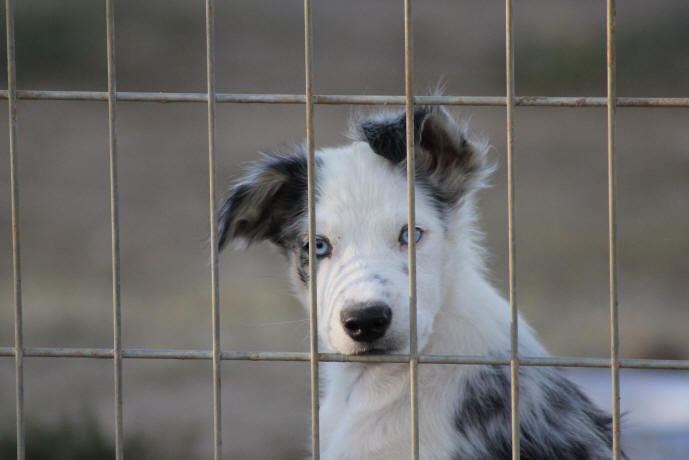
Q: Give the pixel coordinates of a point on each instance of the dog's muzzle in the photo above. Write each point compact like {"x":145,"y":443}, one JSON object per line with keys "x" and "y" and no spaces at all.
{"x":366,"y":322}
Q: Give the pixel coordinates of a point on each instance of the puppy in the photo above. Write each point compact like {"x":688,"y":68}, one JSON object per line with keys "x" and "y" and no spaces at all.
{"x":363,"y":298}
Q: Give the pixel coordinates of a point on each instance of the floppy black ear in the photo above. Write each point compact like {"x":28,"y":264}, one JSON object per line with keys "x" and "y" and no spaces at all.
{"x":445,"y":158}
{"x":266,"y":204}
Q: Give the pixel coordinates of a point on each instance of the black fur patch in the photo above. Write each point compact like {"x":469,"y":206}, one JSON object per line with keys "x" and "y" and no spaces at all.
{"x":483,"y":418}
{"x":446,"y":163}
{"x":388,"y":136}
{"x":266,"y":203}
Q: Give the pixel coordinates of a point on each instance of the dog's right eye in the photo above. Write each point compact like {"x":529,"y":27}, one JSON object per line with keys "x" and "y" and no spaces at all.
{"x":323,"y":248}
{"x":404,"y":235}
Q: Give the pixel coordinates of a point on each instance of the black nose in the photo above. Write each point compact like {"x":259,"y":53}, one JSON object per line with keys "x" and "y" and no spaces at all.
{"x":367,"y":322}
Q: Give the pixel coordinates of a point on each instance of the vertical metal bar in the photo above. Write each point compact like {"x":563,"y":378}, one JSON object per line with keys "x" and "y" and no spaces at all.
{"x":215,"y":290}
{"x":612,"y":232}
{"x":313,"y":292}
{"x":411,"y":223}
{"x":115,"y":227}
{"x":16,"y":264}
{"x":514,"y":315}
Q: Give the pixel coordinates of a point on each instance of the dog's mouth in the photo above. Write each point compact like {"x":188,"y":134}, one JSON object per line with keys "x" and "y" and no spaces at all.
{"x":371,"y":351}
{"x":386,"y":348}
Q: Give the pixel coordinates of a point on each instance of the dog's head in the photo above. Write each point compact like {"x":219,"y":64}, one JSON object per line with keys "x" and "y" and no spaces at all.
{"x":361,"y":225}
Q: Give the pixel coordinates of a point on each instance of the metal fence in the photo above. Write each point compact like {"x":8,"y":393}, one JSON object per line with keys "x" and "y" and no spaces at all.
{"x":117,"y":353}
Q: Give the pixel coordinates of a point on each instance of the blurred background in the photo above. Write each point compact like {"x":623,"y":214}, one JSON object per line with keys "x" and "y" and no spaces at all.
{"x":561,"y":195}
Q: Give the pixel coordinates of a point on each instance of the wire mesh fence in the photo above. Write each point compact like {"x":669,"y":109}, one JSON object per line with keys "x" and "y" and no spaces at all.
{"x":216,"y":355}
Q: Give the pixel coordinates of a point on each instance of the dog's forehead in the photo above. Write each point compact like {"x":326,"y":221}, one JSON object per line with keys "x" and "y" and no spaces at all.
{"x":356,"y":186}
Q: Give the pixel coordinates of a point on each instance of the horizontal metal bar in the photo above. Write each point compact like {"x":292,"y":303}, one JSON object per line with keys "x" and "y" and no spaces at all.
{"x":228,"y":355}
{"x":334,"y":99}
{"x":107,"y":353}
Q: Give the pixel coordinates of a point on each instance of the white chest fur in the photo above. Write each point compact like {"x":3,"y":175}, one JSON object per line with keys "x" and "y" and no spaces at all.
{"x":366,"y":411}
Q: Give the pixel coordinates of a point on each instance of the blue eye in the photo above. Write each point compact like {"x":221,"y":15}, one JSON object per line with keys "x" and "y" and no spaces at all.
{"x":404,"y":235}
{"x":323,"y":248}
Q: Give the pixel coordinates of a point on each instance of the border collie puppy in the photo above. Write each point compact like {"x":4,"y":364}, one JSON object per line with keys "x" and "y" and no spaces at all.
{"x":363,"y":297}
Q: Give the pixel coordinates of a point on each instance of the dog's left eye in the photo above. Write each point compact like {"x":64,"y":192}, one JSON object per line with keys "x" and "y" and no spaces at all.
{"x":323,"y":248}
{"x":404,"y":235}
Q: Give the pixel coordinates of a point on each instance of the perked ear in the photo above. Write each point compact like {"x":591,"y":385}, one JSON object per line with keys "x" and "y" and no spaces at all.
{"x":445,"y":158}
{"x":266,"y":204}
